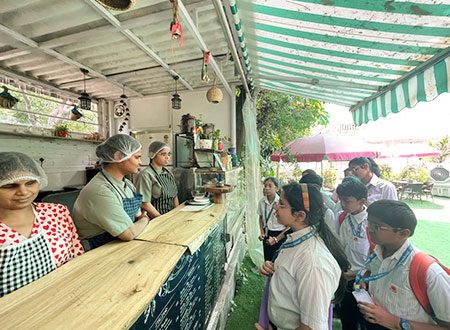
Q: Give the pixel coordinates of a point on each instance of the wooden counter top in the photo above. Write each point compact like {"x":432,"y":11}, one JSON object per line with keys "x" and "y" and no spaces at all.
{"x":106,"y":288}
{"x":188,"y":229}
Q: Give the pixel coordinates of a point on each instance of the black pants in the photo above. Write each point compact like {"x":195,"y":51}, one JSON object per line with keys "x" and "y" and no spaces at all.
{"x":269,"y":250}
{"x":350,"y":316}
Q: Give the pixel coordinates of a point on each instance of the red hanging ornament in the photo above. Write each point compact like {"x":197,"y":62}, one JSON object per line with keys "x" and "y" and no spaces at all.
{"x":206,"y":56}
{"x":176,"y":30}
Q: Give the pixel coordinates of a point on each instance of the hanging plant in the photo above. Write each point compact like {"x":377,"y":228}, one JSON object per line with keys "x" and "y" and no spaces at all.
{"x":75,"y":114}
{"x":206,"y":56}
{"x":6,"y":99}
{"x":176,"y":30}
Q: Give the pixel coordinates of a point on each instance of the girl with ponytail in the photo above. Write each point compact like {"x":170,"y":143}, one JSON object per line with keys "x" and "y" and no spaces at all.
{"x":369,"y":173}
{"x":307,"y":272}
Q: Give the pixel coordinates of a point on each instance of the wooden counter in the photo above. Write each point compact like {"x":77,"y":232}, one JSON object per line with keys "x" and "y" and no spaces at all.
{"x":188,"y":229}
{"x":106,"y":288}
{"x":110,"y":287}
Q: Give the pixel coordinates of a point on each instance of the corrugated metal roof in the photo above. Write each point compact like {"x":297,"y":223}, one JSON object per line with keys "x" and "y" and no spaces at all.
{"x":49,"y":40}
{"x":347,"y":52}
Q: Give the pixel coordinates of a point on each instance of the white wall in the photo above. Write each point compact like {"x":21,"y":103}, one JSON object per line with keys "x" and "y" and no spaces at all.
{"x":64,"y":160}
{"x":155,"y":112}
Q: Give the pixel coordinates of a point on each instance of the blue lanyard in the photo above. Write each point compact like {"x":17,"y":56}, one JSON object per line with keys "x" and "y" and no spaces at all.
{"x":298,"y":241}
{"x":355,"y":231}
{"x":359,"y":276}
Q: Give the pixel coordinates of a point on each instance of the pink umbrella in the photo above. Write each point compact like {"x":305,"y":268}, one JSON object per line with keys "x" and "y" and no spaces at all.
{"x":407,"y":150}
{"x":324,"y":146}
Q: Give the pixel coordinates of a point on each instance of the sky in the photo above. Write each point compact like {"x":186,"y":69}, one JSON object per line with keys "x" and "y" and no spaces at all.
{"x":427,"y":121}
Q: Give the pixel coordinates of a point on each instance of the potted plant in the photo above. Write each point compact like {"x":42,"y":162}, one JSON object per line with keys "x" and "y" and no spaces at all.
{"x":61,"y":130}
{"x":205,"y":141}
{"x":215,"y":136}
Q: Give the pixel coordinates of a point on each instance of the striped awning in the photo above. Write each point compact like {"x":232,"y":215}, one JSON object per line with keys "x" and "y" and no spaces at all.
{"x":375,"y":57}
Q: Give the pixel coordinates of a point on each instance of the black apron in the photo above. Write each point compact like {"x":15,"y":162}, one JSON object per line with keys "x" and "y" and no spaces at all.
{"x":131,"y":206}
{"x":169,"y":191}
{"x":24,"y":262}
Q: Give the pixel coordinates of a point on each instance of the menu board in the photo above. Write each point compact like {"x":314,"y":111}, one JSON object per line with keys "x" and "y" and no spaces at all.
{"x":186,"y":299}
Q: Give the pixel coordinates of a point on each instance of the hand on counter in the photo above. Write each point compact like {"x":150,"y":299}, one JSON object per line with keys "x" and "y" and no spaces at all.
{"x":135,"y":229}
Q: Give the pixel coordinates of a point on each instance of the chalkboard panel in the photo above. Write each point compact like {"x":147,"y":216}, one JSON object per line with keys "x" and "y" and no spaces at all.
{"x":186,"y":299}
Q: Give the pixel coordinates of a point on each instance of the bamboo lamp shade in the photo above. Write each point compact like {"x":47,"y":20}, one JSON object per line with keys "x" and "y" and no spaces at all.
{"x":118,"y":4}
{"x":214,"y":94}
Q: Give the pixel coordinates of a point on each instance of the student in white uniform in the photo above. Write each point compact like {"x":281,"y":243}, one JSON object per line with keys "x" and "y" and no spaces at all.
{"x":369,"y":173}
{"x":387,"y":270}
{"x":272,"y":233}
{"x":352,"y":194}
{"x":307,"y":273}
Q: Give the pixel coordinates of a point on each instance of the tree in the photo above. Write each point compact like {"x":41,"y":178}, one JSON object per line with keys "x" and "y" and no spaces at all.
{"x":282,"y":118}
{"x":443,"y":145}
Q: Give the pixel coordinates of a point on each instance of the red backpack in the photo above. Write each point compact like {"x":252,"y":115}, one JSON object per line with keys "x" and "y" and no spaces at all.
{"x":418,"y":278}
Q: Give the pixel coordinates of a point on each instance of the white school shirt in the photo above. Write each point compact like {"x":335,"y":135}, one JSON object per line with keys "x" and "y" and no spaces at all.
{"x":394,"y":292}
{"x":304,"y":282}
{"x":331,"y":221}
{"x":380,"y":189}
{"x":264,"y":208}
{"x":356,"y":248}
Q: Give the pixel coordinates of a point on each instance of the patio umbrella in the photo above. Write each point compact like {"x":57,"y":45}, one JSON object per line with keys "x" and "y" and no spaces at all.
{"x":407,"y":150}
{"x":324,"y":146}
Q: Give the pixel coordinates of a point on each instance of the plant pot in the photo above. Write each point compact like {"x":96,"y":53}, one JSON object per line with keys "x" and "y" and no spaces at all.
{"x":205,"y":144}
{"x":62,"y":134}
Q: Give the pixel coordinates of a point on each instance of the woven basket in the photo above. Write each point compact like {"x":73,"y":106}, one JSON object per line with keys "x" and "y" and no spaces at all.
{"x":118,"y":4}
{"x":214,"y":95}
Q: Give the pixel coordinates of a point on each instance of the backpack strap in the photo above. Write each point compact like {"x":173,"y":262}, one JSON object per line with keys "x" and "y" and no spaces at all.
{"x":341,"y":217}
{"x":418,"y":278}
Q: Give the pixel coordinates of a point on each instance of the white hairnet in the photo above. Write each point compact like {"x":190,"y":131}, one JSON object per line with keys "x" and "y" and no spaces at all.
{"x":155,"y":147}
{"x":16,"y":166}
{"x":117,"y":148}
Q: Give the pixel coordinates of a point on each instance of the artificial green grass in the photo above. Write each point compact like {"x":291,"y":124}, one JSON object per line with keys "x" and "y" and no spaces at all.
{"x":423,"y":204}
{"x":249,"y":288}
{"x":433,"y":238}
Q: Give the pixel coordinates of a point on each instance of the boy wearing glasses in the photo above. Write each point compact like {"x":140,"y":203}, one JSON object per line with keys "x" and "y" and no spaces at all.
{"x":391,"y":223}
{"x":352,"y":233}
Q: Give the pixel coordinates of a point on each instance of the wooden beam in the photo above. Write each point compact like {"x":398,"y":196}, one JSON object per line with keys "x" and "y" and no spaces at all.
{"x":34,"y":45}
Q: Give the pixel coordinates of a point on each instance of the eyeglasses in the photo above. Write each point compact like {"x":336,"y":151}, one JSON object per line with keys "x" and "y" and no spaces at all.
{"x":354,"y":169}
{"x":378,"y":227}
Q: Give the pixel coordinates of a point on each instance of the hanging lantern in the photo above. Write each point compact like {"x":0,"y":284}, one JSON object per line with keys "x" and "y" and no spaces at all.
{"x":85,"y":100}
{"x":176,"y":99}
{"x":118,"y":4}
{"x":126,"y":111}
{"x":214,"y":94}
{"x":6,"y":99}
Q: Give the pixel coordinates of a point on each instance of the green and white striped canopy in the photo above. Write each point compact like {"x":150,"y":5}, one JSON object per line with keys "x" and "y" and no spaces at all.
{"x":375,"y":57}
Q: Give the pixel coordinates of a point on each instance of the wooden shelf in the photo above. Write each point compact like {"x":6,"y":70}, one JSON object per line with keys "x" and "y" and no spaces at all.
{"x":47,"y":137}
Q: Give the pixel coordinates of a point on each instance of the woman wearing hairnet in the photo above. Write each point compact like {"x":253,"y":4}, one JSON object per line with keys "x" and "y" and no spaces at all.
{"x":156,"y":183}
{"x":35,"y":238}
{"x":109,"y":206}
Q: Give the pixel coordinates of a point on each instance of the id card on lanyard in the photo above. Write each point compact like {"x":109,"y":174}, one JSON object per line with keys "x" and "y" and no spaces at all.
{"x":359,"y":276}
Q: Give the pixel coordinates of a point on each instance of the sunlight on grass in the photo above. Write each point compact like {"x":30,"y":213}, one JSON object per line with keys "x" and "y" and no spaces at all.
{"x":433,"y":238}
